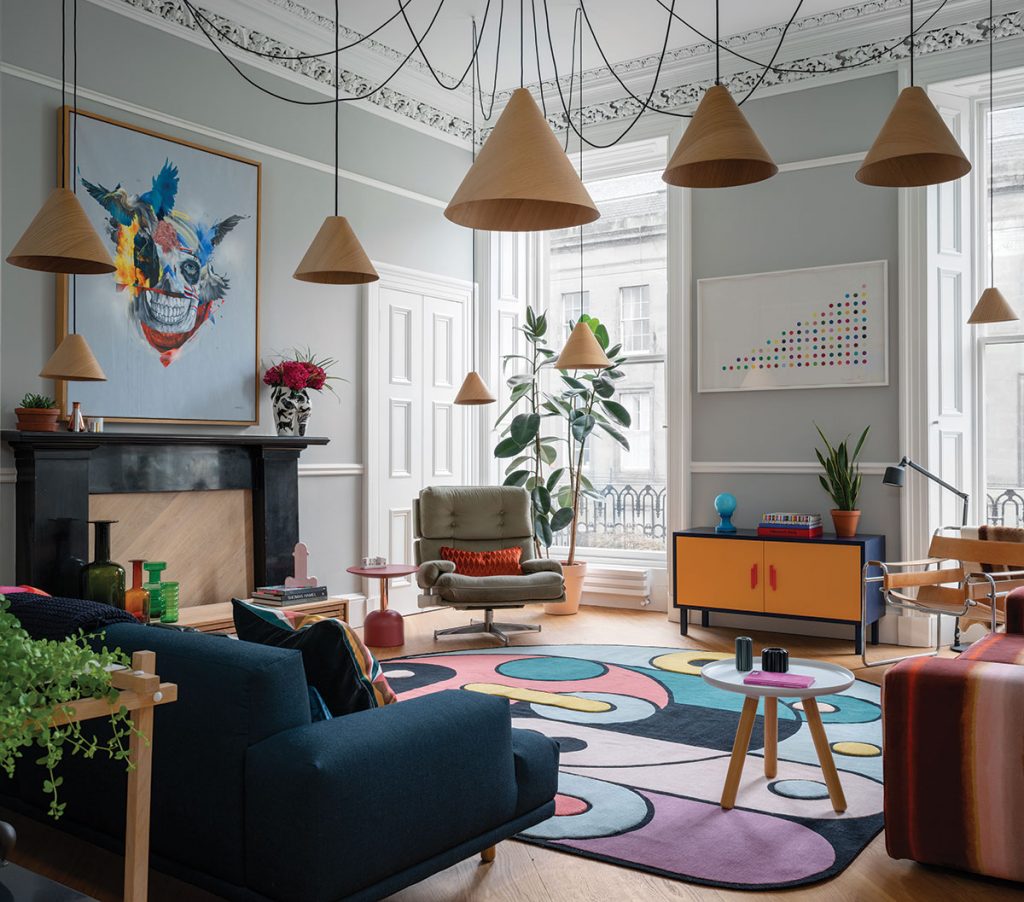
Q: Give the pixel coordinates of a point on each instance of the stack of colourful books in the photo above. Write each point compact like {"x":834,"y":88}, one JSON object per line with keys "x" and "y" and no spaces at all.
{"x":791,"y":526}
{"x":281,"y":595}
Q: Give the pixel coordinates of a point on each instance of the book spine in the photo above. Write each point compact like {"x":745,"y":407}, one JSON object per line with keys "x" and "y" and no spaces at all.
{"x":297,"y":596}
{"x":790,"y":533}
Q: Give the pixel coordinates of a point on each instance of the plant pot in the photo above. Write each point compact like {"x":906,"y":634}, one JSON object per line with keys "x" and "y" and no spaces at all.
{"x":845,"y":523}
{"x":573,"y":574}
{"x":291,"y":410}
{"x":37,"y":419}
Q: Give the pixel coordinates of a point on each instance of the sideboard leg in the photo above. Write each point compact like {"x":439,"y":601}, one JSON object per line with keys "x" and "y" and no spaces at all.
{"x":705,"y":619}
{"x":874,"y":633}
{"x":684,"y":621}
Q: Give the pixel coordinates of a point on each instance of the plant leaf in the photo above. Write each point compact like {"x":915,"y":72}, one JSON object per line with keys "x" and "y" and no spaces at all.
{"x":542,"y":530}
{"x":541,"y":499}
{"x":517,"y":477}
{"x":618,"y":413}
{"x":561,"y":518}
{"x":508,"y":447}
{"x":525,"y":427}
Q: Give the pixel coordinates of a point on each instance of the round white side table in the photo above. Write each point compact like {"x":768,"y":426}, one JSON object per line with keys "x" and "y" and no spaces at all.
{"x":828,"y":680}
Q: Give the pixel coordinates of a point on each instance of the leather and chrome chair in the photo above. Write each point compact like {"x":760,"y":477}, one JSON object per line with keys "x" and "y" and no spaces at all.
{"x":480,"y":518}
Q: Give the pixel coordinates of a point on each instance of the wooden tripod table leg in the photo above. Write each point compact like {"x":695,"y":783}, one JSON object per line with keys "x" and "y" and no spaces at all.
{"x":828,"y":766}
{"x":771,"y":736}
{"x":739,"y":752}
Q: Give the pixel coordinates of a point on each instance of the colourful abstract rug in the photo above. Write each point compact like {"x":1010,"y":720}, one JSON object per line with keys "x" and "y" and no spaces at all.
{"x":645,"y":745}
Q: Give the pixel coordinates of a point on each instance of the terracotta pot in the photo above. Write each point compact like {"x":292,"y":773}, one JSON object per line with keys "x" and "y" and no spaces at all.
{"x":37,"y":419}
{"x":573,"y":575}
{"x":845,"y":523}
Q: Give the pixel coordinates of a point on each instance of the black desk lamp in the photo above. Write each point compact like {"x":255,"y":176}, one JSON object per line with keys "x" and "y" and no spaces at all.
{"x":895,"y":476}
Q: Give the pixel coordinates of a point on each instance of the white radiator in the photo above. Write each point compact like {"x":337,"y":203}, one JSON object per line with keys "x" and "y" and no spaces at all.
{"x":618,"y":582}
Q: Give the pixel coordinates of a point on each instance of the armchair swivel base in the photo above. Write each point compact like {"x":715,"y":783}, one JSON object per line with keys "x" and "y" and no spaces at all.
{"x":488,"y":625}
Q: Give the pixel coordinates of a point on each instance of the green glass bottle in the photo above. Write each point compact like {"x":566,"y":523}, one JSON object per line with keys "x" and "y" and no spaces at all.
{"x":103,"y":580}
{"x":154,"y":587}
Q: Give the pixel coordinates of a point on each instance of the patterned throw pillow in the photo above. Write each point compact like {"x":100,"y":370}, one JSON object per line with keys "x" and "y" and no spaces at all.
{"x":338,"y":665}
{"x":504,"y":562}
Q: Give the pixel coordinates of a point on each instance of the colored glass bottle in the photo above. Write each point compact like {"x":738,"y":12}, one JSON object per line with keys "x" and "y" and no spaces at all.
{"x":136,"y":599}
{"x":169,"y":596}
{"x":103,"y":580}
{"x":154,"y":587}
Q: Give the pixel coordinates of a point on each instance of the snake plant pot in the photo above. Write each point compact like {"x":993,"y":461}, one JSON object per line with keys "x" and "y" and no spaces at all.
{"x":37,"y":419}
{"x":573,"y":574}
{"x":845,"y":523}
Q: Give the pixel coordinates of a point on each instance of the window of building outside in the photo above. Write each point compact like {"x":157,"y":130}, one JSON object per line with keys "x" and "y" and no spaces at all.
{"x":625,"y":287}
{"x":1001,"y":350}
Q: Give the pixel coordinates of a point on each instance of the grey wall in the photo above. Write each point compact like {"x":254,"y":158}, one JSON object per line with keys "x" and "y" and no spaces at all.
{"x":141,"y":65}
{"x":802,"y":218}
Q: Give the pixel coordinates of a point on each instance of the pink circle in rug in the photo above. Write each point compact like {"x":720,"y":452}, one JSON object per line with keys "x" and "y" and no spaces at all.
{"x":566,"y":806}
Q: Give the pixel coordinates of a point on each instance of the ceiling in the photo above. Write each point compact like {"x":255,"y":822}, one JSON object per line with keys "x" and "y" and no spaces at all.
{"x":626,"y":29}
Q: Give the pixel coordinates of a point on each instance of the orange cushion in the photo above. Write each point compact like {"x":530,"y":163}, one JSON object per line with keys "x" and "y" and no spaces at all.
{"x":504,"y":562}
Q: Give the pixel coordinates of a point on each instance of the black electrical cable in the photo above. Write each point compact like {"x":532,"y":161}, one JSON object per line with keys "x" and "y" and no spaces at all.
{"x":426,"y":60}
{"x":337,"y":106}
{"x":521,"y":29}
{"x":991,"y":146}
{"x":576,"y":23}
{"x":778,"y":47}
{"x":497,"y":58}
{"x":74,"y":146}
{"x":63,"y":88}
{"x":536,"y":56}
{"x":911,"y":41}
{"x":296,"y":57}
{"x":718,"y":47}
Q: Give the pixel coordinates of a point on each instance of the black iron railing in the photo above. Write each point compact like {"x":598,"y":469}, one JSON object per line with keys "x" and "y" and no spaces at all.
{"x":1004,"y":507}
{"x":626,"y":517}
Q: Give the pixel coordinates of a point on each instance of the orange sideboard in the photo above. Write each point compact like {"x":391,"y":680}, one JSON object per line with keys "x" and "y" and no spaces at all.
{"x":806,"y":579}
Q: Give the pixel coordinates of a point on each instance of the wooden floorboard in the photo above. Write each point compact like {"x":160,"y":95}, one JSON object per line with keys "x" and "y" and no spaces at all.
{"x":525,"y":872}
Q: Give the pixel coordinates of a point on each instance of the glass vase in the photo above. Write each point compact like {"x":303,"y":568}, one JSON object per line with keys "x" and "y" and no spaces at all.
{"x":136,"y":599}
{"x":103,"y":580}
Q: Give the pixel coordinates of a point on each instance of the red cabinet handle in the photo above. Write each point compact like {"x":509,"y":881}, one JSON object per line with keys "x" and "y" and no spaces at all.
{"x":753,"y":577}
{"x":771,"y":577}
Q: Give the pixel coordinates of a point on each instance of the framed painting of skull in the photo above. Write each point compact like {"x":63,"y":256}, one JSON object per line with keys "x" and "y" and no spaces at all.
{"x":175,"y":327}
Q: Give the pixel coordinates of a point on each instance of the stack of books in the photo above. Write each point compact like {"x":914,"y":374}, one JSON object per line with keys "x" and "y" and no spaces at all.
{"x":790,"y":525}
{"x":279,"y":595}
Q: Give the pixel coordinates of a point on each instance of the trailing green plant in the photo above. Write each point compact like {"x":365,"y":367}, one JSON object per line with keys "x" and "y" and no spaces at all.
{"x":40,"y":677}
{"x":38,"y":402}
{"x":582,"y":402}
{"x":842,"y":478}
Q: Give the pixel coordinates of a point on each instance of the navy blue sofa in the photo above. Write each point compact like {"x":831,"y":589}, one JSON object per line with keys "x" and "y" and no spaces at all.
{"x":252,"y":801}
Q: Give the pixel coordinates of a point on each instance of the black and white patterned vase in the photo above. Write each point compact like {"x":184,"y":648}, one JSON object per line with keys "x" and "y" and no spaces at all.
{"x":291,"y":410}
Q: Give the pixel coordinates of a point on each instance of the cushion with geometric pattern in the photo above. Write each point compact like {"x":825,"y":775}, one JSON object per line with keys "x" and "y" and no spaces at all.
{"x":503,"y":562}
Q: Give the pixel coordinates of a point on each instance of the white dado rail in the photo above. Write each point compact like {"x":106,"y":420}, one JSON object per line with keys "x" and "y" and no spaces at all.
{"x":774,"y":467}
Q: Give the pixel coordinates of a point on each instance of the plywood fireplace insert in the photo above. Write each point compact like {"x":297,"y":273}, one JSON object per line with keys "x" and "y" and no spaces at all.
{"x":63,"y":479}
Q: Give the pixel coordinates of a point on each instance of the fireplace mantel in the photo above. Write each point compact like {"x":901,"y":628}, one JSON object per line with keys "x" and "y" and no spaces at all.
{"x":58,"y":471}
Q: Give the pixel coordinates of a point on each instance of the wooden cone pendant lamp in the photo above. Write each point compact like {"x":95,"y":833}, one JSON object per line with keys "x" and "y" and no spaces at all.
{"x":582,"y":351}
{"x":336,"y":257}
{"x":992,"y":307}
{"x":521,"y":181}
{"x":719,"y":149}
{"x":914,"y":147}
{"x":61,"y":238}
{"x":73,"y":361}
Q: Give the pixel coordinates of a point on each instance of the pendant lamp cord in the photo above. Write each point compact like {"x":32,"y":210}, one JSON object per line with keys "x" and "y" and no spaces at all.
{"x":718,"y":47}
{"x":63,"y":87}
{"x":337,"y":72}
{"x":991,"y":152}
{"x":74,"y":146}
{"x":521,"y":77}
{"x":476,"y":343}
{"x":581,"y":164}
{"x":911,"y":42}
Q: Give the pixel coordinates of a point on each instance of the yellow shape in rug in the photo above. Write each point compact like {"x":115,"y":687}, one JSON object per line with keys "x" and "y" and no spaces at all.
{"x":537,"y":697}
{"x":856,"y":749}
{"x":682,"y":661}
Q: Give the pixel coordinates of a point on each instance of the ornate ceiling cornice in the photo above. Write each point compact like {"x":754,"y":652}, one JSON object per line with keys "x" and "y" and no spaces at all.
{"x":441,"y":111}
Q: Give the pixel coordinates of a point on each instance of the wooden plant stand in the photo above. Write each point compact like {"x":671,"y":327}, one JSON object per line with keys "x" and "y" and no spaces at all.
{"x":140,"y":691}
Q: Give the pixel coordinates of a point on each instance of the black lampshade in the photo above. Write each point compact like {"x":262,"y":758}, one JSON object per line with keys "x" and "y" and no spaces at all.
{"x":894,"y":476}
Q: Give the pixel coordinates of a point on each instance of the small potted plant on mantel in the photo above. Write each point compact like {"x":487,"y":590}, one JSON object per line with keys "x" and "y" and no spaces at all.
{"x":38,"y":413}
{"x":841,"y":480}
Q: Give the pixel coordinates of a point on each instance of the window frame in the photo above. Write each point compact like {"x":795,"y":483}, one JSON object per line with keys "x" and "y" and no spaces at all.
{"x":645,"y":302}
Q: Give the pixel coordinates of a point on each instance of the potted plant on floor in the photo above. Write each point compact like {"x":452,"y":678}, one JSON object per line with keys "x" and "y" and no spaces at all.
{"x":40,"y":678}
{"x":841,"y":480}
{"x":38,"y":413}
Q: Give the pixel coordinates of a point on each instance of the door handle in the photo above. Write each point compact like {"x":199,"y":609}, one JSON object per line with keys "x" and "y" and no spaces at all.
{"x":772,"y":580}
{"x":753,"y":577}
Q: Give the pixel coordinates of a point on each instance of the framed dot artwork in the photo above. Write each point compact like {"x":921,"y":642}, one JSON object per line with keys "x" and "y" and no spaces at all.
{"x":823,"y":327}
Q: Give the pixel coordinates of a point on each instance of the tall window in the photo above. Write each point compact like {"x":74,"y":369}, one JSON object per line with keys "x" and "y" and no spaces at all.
{"x":574,"y":305}
{"x":635,"y":319}
{"x":1001,"y":350}
{"x":625,"y":287}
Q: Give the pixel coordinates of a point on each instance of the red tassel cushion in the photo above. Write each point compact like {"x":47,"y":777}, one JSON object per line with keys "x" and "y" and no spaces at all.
{"x":504,"y":562}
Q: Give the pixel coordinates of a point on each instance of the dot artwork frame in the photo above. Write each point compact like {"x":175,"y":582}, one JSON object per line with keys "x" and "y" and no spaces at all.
{"x":821,"y":327}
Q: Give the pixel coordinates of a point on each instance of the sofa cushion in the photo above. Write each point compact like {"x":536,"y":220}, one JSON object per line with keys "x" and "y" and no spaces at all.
{"x":46,"y":617}
{"x":337,"y":663}
{"x":536,"y":759}
{"x":502,"y":562}
{"x":456,"y":588}
{"x":1001,"y":648}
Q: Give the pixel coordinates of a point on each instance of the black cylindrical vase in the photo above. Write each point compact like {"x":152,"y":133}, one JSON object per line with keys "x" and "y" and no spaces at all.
{"x":744,"y":654}
{"x":775,"y":660}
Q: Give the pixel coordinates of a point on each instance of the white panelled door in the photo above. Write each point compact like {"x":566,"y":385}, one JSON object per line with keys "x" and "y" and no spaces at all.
{"x":419,"y":328}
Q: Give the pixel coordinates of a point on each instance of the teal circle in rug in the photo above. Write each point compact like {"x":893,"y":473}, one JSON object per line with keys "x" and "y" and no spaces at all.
{"x":557,"y":669}
{"x":799,"y":789}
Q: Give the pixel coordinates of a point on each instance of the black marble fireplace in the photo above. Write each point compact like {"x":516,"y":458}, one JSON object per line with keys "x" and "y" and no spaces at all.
{"x":58,"y":471}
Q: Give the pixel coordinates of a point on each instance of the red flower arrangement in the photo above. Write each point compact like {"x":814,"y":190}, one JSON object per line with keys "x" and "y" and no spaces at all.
{"x":303,"y":371}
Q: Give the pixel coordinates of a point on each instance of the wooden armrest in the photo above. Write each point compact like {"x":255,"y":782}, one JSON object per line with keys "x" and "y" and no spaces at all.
{"x":924,"y":578}
{"x":924,"y":562}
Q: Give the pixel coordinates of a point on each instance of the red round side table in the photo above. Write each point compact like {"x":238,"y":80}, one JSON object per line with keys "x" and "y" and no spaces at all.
{"x":384,"y":628}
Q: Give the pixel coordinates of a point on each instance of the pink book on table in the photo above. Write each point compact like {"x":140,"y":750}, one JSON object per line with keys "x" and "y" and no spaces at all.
{"x":781,"y":680}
